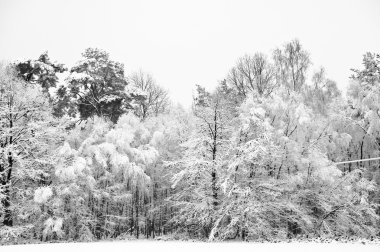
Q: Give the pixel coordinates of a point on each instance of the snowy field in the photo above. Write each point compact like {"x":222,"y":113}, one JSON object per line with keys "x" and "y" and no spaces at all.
{"x":192,"y":246}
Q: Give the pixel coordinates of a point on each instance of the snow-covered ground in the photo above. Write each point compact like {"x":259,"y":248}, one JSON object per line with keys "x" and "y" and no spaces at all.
{"x":155,"y":246}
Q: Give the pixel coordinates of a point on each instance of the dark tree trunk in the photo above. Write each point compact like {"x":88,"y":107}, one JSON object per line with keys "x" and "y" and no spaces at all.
{"x":131,"y":221}
{"x":137,"y":213}
{"x":6,"y":181}
{"x":213,"y":173}
{"x":8,"y":220}
{"x":361,"y":152}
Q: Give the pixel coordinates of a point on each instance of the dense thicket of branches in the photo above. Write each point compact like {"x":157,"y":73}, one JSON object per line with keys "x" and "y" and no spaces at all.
{"x":100,"y":155}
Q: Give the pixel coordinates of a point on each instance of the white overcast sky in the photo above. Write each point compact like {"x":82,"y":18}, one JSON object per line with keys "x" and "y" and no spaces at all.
{"x":183,"y":43}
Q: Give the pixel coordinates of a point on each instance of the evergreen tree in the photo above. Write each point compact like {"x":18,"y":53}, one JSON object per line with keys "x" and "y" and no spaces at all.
{"x":99,"y":87}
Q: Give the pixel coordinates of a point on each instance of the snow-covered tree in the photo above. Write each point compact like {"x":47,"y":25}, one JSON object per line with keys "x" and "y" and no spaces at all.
{"x":157,"y":100}
{"x":292,"y":63}
{"x":261,"y":157}
{"x":45,"y":73}
{"x":103,"y":182}
{"x":42,"y":71}
{"x":196,"y":174}
{"x":252,"y":74}
{"x":321,"y":93}
{"x":99,"y":87}
{"x":364,"y":117}
{"x":279,"y":181}
{"x":28,"y":137}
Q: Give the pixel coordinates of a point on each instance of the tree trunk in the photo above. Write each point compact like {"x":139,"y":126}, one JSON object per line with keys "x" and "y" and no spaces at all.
{"x":8,"y":221}
{"x":137,"y":213}
{"x":131,"y":222}
{"x":213,"y":173}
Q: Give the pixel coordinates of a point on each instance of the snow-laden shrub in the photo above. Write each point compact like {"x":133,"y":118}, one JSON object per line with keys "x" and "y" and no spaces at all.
{"x":42,"y":194}
{"x":53,"y":228}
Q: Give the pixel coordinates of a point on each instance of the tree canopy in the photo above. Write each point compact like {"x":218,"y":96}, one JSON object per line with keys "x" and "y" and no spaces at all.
{"x":102,"y":154}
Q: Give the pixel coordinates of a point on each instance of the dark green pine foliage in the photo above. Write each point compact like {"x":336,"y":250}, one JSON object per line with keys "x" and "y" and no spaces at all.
{"x":41,"y":71}
{"x":44,"y":72}
{"x":99,"y":87}
{"x":63,"y":103}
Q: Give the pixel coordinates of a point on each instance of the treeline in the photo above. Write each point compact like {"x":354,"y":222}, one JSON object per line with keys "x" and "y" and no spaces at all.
{"x":103,"y":155}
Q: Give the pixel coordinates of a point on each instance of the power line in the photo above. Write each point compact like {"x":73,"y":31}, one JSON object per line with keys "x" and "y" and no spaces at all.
{"x":358,"y":160}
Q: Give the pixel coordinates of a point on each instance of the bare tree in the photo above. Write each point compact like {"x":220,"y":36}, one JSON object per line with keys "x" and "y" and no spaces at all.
{"x":157,"y":99}
{"x":252,"y":74}
{"x":236,"y":80}
{"x":291,"y":63}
